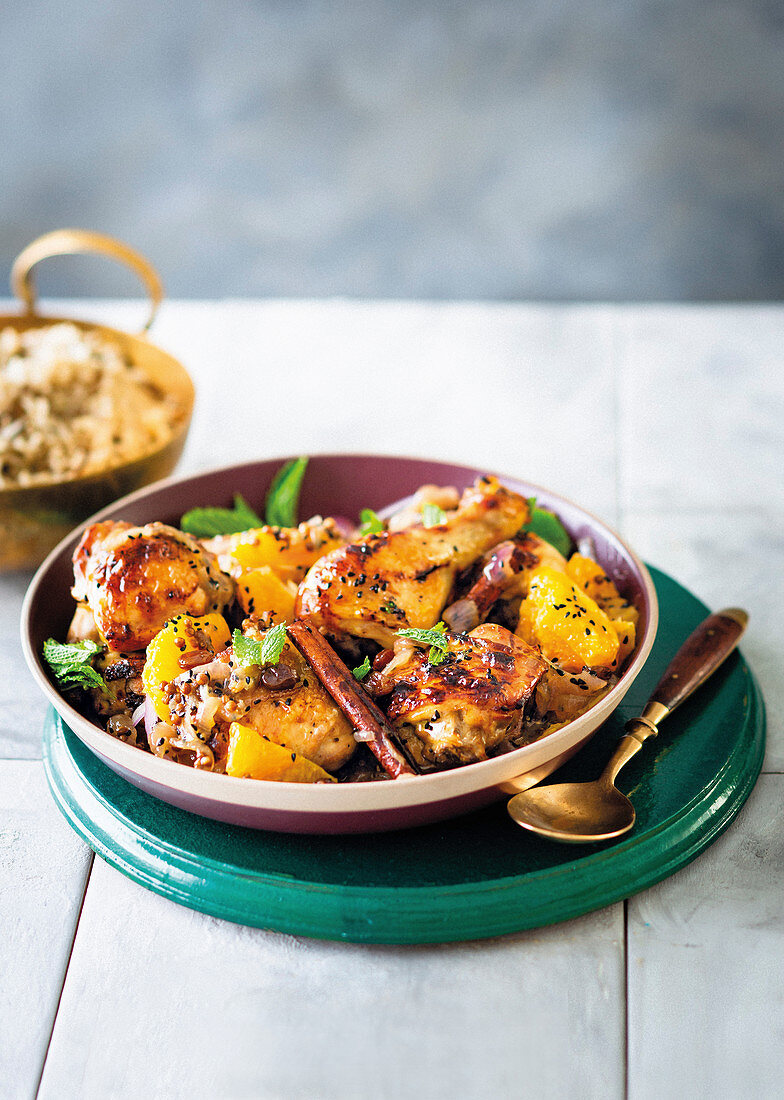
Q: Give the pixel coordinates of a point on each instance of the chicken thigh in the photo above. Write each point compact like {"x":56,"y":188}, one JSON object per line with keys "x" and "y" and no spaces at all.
{"x":454,"y":711}
{"x":136,"y":578}
{"x":400,"y":579}
{"x":286,"y":703}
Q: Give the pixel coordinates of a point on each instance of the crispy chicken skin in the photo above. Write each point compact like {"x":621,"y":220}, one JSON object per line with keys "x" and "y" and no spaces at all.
{"x":135,"y":578}
{"x":453,"y":712}
{"x":401,"y":579}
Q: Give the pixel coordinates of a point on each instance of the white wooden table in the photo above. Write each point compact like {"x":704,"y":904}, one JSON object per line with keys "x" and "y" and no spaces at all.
{"x":667,"y":421}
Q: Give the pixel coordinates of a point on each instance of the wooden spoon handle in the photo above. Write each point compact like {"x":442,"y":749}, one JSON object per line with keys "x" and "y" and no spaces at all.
{"x":700,"y":656}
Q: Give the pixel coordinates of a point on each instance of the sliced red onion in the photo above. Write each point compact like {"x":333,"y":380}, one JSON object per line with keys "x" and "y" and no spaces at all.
{"x":164,"y":733}
{"x":587,"y":547}
{"x":138,"y":714}
{"x":216,"y":670}
{"x":150,"y":720}
{"x":345,"y":527}
{"x":462,"y":616}
{"x":205,"y":712}
{"x":568,"y":680}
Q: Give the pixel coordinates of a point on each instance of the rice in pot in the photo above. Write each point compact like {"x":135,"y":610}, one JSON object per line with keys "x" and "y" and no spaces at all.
{"x":72,"y":404}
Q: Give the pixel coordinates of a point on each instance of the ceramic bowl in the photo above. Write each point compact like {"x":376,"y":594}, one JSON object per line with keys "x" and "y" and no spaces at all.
{"x":35,"y":518}
{"x":338,"y":485}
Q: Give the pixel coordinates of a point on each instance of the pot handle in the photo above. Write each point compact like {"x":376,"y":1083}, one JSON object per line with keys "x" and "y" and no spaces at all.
{"x":65,"y":242}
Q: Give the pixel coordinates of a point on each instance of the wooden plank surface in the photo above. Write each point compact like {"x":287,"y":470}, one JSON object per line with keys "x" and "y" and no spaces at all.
{"x":161,"y":1001}
{"x":701,"y":407}
{"x":43,"y":873}
{"x":706,"y":967}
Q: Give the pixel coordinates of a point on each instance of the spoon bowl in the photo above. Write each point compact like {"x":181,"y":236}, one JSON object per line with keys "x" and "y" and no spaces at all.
{"x":577,"y":813}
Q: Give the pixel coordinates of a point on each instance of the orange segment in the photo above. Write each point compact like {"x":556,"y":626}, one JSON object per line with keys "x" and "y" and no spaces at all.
{"x":261,"y":590}
{"x":287,"y":551}
{"x":590,"y":576}
{"x":175,"y":640}
{"x":566,"y":623}
{"x":252,"y":756}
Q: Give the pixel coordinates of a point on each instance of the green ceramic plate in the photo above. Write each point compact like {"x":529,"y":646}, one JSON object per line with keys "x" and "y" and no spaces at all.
{"x":473,"y":877}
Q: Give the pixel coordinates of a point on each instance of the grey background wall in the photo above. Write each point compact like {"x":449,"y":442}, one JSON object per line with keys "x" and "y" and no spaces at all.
{"x":560,"y":149}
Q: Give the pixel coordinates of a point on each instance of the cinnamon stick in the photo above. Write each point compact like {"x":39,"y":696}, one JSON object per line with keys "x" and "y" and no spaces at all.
{"x":350,"y":696}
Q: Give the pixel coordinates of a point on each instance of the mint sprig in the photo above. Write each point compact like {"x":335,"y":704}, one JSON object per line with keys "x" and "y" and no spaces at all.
{"x":280,"y":507}
{"x":370,"y":523}
{"x":205,"y":523}
{"x":435,"y":637}
{"x":72,"y":664}
{"x":361,"y":671}
{"x":249,"y":651}
{"x":547,"y":526}
{"x":432,"y":515}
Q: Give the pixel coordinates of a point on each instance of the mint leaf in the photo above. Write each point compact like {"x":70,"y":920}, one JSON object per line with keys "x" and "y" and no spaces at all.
{"x":205,"y":523}
{"x":280,"y":507}
{"x":547,"y":526}
{"x":248,"y":651}
{"x":432,"y":515}
{"x":434,"y":637}
{"x":272,"y":646}
{"x":361,"y":671}
{"x":370,"y":523}
{"x":72,"y":666}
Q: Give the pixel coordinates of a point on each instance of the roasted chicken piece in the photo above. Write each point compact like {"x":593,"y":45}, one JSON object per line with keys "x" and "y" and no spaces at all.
{"x":454,"y":711}
{"x":290,"y":706}
{"x":135,"y":578}
{"x":400,"y":579}
{"x":285,"y":703}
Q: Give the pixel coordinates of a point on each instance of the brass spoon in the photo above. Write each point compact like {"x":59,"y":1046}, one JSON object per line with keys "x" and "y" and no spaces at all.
{"x":581,"y":813}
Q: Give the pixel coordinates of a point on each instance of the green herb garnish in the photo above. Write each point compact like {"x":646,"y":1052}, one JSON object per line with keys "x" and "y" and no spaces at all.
{"x":370,"y":523}
{"x":204,"y":523}
{"x":547,"y":526}
{"x":280,"y":507}
{"x":435,"y":637}
{"x":72,"y":665}
{"x":432,"y":515}
{"x":248,"y":651}
{"x":361,"y":671}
